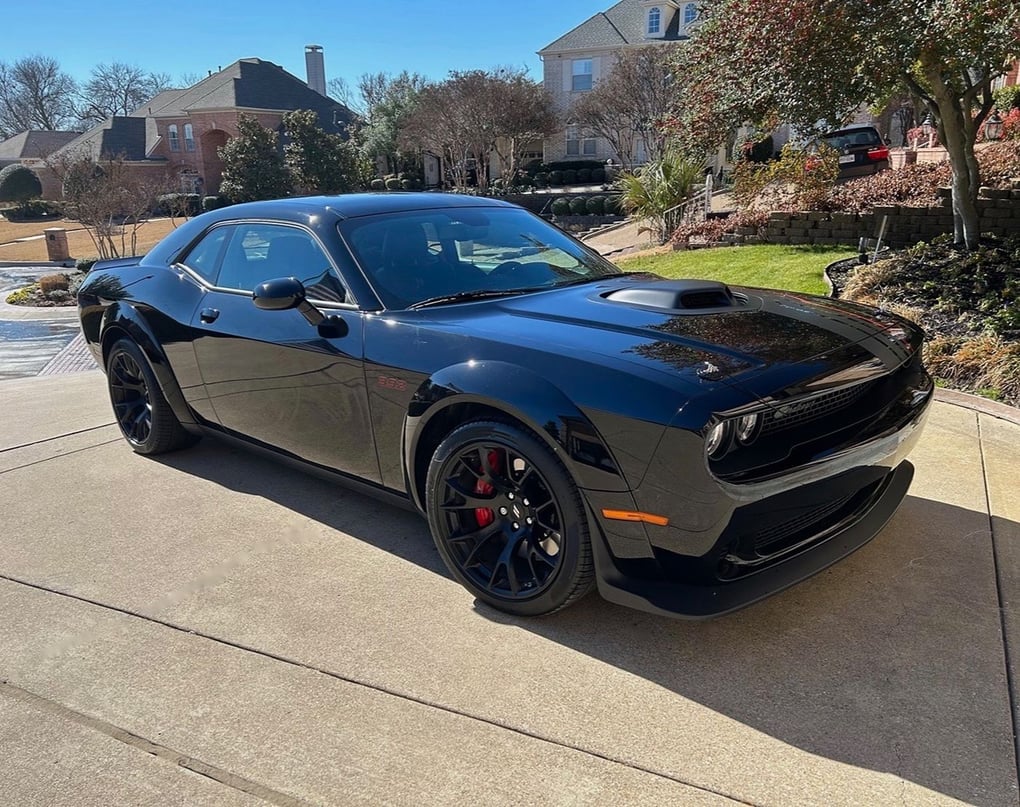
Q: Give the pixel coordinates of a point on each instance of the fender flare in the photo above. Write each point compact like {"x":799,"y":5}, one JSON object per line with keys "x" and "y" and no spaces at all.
{"x":127,"y":318}
{"x":526,"y":397}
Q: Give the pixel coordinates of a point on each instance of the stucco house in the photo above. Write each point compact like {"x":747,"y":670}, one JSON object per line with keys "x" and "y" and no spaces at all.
{"x":574,"y":63}
{"x":179,"y":131}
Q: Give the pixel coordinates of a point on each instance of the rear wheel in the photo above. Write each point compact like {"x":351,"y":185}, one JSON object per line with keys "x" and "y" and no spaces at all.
{"x":508,"y":520}
{"x":143,"y":414}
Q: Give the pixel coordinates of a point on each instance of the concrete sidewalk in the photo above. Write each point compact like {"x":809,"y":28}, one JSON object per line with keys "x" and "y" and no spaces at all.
{"x":211,"y":628}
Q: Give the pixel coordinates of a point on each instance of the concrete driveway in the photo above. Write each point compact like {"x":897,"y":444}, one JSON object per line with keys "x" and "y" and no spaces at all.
{"x":211,"y":628}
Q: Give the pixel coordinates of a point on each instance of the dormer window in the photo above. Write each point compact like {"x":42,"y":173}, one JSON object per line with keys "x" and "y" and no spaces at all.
{"x":654,"y":20}
{"x":690,"y":14}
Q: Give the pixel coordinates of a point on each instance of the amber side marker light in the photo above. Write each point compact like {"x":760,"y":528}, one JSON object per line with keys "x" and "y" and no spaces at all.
{"x":636,"y":515}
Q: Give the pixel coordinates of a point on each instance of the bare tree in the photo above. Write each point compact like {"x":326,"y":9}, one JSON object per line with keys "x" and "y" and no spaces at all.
{"x":340,"y":90}
{"x":524,"y":113}
{"x":116,"y":88}
{"x":475,"y":114}
{"x":628,"y":106}
{"x":35,"y":94}
{"x":110,"y":199}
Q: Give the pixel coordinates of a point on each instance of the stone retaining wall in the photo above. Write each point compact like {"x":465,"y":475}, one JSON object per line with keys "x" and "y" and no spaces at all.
{"x":999,"y":211}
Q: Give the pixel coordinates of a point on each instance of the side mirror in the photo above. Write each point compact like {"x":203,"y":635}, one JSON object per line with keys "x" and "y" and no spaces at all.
{"x":280,"y":294}
{"x":284,"y":293}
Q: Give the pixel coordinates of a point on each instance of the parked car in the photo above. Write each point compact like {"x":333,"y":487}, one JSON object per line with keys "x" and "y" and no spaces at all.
{"x":685,"y":446}
{"x":862,"y":151}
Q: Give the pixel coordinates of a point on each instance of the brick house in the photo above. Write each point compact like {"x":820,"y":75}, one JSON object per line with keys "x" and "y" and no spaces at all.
{"x":178,"y":132}
{"x":574,"y":63}
{"x":31,"y":147}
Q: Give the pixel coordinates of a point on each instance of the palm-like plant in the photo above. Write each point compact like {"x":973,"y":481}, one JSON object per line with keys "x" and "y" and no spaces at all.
{"x":658,"y":187}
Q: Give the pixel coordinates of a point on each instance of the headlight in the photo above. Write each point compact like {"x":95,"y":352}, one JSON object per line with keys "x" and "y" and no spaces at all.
{"x":718,"y":439}
{"x":747,"y":428}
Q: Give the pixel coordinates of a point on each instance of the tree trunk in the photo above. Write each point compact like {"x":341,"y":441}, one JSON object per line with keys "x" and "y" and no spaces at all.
{"x":958,"y":130}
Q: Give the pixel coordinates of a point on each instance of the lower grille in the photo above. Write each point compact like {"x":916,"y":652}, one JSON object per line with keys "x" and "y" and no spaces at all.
{"x":769,"y":537}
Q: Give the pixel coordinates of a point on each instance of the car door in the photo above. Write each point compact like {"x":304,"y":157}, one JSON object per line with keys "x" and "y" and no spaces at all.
{"x":272,"y":377}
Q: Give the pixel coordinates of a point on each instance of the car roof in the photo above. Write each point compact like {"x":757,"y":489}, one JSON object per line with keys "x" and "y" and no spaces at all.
{"x":855,"y":127}
{"x":360,"y":204}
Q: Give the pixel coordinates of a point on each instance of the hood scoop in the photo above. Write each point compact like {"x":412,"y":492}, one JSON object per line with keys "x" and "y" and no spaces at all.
{"x":679,"y":296}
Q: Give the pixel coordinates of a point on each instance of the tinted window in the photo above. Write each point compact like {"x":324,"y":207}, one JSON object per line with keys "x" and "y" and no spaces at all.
{"x":203,"y":257}
{"x":260,"y":252}
{"x":417,"y":255}
{"x":845,"y":138}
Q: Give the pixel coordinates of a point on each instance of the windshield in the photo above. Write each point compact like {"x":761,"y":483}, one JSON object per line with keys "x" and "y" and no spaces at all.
{"x":420,"y":255}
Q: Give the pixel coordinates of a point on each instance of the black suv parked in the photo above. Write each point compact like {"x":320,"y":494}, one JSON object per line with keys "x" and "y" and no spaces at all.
{"x":862,"y":151}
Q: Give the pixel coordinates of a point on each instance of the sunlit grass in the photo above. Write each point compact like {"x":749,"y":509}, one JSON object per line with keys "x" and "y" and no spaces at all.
{"x":793,"y":268}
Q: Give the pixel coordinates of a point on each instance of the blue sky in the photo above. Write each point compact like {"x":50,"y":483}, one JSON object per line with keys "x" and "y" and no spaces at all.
{"x":427,"y":36}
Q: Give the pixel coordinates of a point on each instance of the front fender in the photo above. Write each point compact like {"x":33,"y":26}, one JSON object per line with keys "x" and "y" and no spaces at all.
{"x":122,"y":317}
{"x":526,"y":397}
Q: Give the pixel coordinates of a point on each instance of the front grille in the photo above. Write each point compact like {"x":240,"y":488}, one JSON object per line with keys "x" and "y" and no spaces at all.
{"x":776,"y":533}
{"x":796,"y":413}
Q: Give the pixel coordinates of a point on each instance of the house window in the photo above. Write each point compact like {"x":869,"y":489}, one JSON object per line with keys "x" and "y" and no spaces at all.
{"x":654,"y":20}
{"x":580,"y":143}
{"x":171,"y":136}
{"x":189,"y":137}
{"x":581,"y":75}
{"x":690,"y":14}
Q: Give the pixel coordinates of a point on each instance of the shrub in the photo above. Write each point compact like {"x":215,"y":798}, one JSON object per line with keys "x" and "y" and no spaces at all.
{"x":406,"y":184}
{"x":49,"y":283}
{"x":19,"y":183}
{"x":584,"y":175}
{"x":711,"y":231}
{"x":1007,"y":98}
{"x":179,"y":204}
{"x":562,"y":165}
{"x":556,"y":178}
{"x":595,"y":205}
{"x":560,"y":206}
{"x":214,"y":203}
{"x":569,"y":176}
{"x":392,"y":184}
{"x":542,"y":179}
{"x":801,"y":179}
{"x":34,"y":209}
{"x":578,"y":206}
{"x":1000,"y":163}
{"x":85,"y":264}
{"x":915,"y":185}
{"x":377,"y":184}
{"x":598,"y":175}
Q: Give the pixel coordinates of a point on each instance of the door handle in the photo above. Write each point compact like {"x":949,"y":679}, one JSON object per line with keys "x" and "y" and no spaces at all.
{"x":209,"y":314}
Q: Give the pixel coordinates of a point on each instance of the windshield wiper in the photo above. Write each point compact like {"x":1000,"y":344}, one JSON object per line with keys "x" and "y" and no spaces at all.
{"x":478,"y":294}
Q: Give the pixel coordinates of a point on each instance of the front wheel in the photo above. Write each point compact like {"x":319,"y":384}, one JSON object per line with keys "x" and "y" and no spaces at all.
{"x":142,"y":412}
{"x":508,"y":520}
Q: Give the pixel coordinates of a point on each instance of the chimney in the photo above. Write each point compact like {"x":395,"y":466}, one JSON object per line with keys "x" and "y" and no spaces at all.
{"x":315,"y":68}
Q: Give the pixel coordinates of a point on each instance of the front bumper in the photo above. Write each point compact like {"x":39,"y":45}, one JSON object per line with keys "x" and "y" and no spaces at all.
{"x":692,"y":601}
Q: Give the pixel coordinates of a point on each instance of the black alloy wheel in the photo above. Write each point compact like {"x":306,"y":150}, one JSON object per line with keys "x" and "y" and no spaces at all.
{"x":143,"y":414}
{"x":508,"y":519}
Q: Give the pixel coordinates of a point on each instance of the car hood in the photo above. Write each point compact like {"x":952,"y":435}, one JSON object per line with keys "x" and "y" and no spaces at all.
{"x":763,"y":341}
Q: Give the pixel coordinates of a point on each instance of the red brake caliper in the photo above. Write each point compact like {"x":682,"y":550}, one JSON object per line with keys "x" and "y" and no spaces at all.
{"x":483,"y":515}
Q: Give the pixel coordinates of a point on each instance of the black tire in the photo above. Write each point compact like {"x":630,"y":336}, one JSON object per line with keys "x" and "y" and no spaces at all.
{"x":142,"y":413}
{"x":534,"y":556}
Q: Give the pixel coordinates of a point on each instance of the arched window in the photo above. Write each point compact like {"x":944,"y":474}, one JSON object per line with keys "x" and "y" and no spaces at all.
{"x":654,"y":20}
{"x":189,"y":137}
{"x":690,"y":14}
{"x":171,"y":136}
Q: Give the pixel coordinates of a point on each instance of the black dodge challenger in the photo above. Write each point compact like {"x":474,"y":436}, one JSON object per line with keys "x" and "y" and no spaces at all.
{"x":685,"y":446}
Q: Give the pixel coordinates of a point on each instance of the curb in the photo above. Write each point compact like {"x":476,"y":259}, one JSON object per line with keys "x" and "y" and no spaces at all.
{"x":68,"y":264}
{"x":978,"y":404}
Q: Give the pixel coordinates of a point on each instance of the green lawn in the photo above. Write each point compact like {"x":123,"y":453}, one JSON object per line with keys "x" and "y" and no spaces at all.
{"x":794,"y":268}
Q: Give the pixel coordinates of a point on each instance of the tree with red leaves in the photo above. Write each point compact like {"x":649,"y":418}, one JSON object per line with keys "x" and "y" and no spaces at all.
{"x":814,"y":61}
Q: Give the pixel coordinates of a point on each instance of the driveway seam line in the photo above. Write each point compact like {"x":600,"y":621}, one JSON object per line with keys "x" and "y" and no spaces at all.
{"x":57,"y":437}
{"x":376,"y":688}
{"x":1007,"y":655}
{"x":163,"y":752}
{"x":59,"y":456}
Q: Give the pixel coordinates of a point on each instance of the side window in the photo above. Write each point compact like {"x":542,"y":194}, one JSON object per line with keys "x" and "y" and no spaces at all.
{"x":260,"y":252}
{"x":204,"y":256}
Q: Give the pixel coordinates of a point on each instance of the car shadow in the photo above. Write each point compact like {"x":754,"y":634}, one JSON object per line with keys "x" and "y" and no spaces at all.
{"x":891,"y":660}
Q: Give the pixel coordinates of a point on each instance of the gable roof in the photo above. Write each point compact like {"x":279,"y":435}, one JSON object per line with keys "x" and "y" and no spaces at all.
{"x":623,"y":24}
{"x":249,"y":84}
{"x":246,"y":84}
{"x":34,"y":144}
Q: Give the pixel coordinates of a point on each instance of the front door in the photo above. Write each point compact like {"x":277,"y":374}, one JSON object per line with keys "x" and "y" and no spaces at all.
{"x":271,"y":376}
